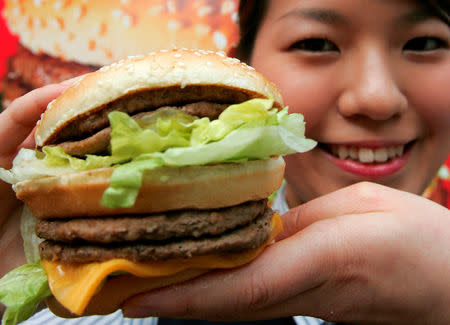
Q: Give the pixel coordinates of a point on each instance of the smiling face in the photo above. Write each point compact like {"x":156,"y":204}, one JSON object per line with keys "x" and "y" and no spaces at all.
{"x":372,"y":78}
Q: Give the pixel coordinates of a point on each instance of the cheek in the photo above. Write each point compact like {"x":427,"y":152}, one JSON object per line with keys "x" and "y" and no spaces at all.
{"x":429,"y":96}
{"x":311,"y":92}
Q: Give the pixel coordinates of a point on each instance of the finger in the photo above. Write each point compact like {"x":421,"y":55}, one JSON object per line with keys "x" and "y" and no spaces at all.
{"x":19,"y":119}
{"x":29,"y":142}
{"x":279,"y":273}
{"x":359,"y":198}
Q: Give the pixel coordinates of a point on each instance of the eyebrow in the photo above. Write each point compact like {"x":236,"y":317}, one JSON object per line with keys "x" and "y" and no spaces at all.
{"x":416,"y":16}
{"x":326,"y":16}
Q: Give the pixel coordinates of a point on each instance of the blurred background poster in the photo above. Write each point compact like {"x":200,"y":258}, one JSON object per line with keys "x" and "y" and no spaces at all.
{"x":8,"y":43}
{"x":46,"y":41}
{"x":59,"y":39}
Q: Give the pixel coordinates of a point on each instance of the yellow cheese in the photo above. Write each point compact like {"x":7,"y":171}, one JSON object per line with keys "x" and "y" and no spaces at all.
{"x":74,"y":285}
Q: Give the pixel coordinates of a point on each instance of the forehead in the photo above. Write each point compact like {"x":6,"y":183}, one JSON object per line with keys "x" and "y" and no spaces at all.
{"x":376,"y":13}
{"x":280,"y":8}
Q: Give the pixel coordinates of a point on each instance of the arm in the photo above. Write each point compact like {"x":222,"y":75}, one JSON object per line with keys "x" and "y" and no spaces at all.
{"x":366,"y":253}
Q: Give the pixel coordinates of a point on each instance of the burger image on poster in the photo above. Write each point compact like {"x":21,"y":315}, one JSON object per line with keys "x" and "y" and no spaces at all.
{"x":61,"y":39}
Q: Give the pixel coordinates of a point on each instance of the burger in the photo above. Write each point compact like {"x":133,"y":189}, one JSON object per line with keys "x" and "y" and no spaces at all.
{"x":61,"y":39}
{"x":152,"y":171}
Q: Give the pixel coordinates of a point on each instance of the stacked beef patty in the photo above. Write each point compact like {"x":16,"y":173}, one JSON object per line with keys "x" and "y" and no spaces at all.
{"x":161,"y":236}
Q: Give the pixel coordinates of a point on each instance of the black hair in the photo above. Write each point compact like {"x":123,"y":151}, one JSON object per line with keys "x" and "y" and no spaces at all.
{"x":252,"y":12}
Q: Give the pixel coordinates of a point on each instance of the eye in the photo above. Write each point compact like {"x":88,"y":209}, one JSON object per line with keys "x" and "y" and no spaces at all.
{"x":315,"y":45}
{"x":425,"y":44}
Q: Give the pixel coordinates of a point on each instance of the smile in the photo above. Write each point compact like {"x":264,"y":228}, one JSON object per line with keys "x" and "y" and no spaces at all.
{"x":368,"y":161}
{"x":367,"y":155}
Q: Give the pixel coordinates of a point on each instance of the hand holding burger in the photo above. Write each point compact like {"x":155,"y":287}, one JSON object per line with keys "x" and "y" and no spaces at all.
{"x":152,"y":171}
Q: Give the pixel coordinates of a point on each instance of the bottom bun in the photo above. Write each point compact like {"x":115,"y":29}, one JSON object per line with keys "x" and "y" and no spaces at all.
{"x":120,"y":288}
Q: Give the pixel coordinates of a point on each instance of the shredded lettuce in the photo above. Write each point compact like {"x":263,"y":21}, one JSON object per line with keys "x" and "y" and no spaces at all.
{"x":170,"y":137}
{"x":21,"y":291}
{"x":30,"y":239}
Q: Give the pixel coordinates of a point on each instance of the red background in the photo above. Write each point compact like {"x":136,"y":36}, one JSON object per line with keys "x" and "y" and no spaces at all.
{"x":8,"y":43}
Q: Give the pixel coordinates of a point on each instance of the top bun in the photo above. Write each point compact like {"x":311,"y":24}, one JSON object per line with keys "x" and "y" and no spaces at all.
{"x":101,"y":32}
{"x":168,"y":68}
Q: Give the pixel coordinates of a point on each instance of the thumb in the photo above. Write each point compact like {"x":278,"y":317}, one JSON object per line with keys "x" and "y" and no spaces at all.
{"x":359,"y":198}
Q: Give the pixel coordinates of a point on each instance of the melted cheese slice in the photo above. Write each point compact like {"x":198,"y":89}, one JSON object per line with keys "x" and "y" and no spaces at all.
{"x":75,"y":285}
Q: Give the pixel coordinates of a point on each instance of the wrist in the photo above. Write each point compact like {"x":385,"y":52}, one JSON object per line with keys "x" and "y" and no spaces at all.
{"x":8,"y":202}
{"x":12,"y":254}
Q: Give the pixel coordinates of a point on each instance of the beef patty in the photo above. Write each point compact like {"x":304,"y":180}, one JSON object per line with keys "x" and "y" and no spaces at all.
{"x":241,"y":239}
{"x":161,"y":226}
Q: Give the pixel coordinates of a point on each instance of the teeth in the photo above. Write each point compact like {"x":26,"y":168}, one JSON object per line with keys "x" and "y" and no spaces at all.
{"x":381,"y":155}
{"x":367,"y":155}
{"x":342,"y":152}
{"x":353,"y":152}
{"x":392,"y":152}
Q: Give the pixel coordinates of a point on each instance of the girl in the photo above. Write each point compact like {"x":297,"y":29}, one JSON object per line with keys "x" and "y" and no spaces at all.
{"x":360,"y":245}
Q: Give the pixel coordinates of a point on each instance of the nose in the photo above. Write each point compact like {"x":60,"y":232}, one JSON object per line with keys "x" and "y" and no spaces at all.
{"x":371,"y":89}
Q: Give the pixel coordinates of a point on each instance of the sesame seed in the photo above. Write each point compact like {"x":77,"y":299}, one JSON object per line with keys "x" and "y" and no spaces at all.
{"x":227,"y":7}
{"x":202,"y":29}
{"x":77,"y":13}
{"x":203,"y":11}
{"x":116,"y":13}
{"x":155,"y":10}
{"x":127,"y":20}
{"x":220,"y":40}
{"x":57,"y":5}
{"x":38,"y":3}
{"x":171,"y":6}
{"x":173,"y":25}
{"x":231,"y":61}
